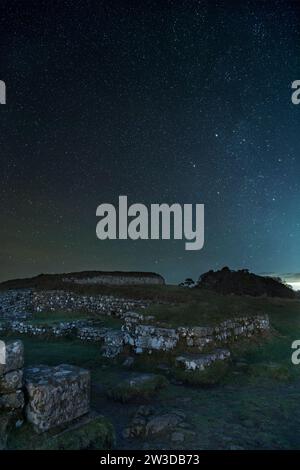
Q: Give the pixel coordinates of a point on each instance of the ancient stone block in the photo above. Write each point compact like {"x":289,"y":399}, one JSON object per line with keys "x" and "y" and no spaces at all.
{"x":11,"y":381}
{"x":14,"y":357}
{"x":56,"y":395}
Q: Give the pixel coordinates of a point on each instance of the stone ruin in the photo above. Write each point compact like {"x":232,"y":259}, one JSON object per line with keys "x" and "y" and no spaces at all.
{"x":56,"y":395}
{"x":144,"y":338}
{"x":18,"y":304}
{"x":139,"y":332}
{"x":44,"y":396}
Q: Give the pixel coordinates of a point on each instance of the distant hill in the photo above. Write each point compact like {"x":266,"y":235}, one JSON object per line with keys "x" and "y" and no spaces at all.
{"x":243,"y":282}
{"x":92,"y":278}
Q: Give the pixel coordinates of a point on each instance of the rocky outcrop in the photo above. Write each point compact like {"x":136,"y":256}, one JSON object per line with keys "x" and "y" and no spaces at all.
{"x":56,"y":395}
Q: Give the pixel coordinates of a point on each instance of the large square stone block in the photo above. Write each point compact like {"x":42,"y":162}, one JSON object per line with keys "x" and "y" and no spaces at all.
{"x":56,"y":395}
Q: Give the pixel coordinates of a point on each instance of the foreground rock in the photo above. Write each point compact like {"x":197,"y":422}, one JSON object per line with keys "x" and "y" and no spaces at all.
{"x":56,"y":395}
{"x":163,"y":423}
{"x":137,"y":387}
{"x":147,"y":424}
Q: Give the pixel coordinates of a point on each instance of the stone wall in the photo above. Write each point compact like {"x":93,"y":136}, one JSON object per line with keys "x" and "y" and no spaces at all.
{"x":146,"y":337}
{"x":15,"y":304}
{"x":20,"y":303}
{"x":76,"y":329}
{"x":68,"y":301}
{"x":149,"y":338}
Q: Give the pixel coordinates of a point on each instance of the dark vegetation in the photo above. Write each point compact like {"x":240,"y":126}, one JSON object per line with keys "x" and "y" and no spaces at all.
{"x":243,"y":282}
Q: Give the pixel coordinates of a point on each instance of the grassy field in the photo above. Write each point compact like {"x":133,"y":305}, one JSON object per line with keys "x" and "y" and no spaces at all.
{"x":50,"y":318}
{"x":198,"y":307}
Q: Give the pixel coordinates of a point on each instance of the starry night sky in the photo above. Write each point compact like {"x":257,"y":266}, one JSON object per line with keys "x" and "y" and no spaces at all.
{"x":163,"y":101}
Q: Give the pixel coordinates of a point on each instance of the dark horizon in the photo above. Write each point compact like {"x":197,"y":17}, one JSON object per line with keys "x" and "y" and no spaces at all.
{"x":292,"y":279}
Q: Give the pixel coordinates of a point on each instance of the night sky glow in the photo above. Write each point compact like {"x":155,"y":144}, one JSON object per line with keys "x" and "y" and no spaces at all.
{"x":173,"y":101}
